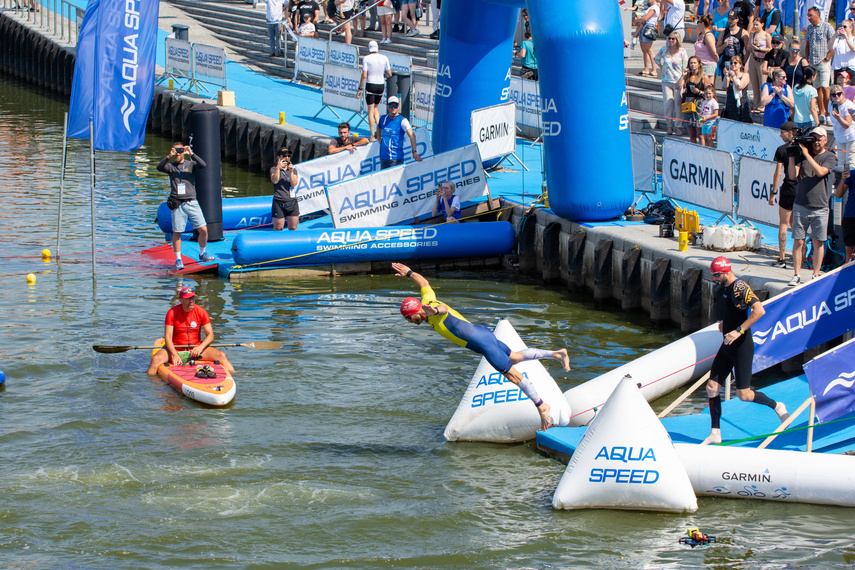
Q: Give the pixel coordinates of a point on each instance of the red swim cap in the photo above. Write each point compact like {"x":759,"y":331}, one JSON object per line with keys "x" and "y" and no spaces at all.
{"x":410,"y":306}
{"x":720,"y":265}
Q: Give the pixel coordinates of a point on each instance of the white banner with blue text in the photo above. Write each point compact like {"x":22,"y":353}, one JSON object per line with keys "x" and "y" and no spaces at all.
{"x":423,"y":100}
{"x":314,"y":175}
{"x":746,"y":139}
{"x":698,"y":175}
{"x":400,"y":63}
{"x":753,"y":189}
{"x":311,"y":56}
{"x":525,"y":93}
{"x":343,"y":54}
{"x":805,"y":317}
{"x":404,"y":192}
{"x":643,"y":161}
{"x":179,"y":60}
{"x":340,"y":87}
{"x":493,"y":129}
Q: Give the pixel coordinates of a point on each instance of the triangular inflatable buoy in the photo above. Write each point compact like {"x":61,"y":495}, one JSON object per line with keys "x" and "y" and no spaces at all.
{"x":626,"y":460}
{"x":494,"y":409}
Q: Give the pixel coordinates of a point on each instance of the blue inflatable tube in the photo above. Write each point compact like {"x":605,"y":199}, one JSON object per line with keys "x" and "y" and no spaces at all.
{"x":579,"y":47}
{"x":322,"y":247}
{"x":238,"y":213}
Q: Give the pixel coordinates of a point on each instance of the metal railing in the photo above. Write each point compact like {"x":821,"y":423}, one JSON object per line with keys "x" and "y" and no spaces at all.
{"x":54,"y":16}
{"x":355,"y":16}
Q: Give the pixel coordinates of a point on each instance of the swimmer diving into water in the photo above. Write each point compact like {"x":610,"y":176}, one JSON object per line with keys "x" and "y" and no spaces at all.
{"x":451,"y":325}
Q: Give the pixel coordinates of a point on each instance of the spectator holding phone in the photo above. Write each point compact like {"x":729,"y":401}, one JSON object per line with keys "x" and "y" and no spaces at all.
{"x":840,"y":110}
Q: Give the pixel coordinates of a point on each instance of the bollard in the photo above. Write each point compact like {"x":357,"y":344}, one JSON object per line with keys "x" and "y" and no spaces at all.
{"x":205,"y":130}
{"x":527,"y":244}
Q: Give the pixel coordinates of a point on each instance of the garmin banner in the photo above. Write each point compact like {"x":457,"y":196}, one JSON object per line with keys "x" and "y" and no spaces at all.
{"x":698,"y":175}
{"x":114,"y":73}
{"x":524,"y":92}
{"x":340,"y":87}
{"x":805,"y":317}
{"x":493,"y":129}
{"x":315,"y":175}
{"x":746,"y":139}
{"x":753,"y":189}
{"x":404,"y":192}
{"x":831,"y":376}
{"x":643,"y":161}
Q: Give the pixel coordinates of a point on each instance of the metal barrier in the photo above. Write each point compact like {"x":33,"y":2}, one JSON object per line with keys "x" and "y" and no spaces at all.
{"x":50,"y":15}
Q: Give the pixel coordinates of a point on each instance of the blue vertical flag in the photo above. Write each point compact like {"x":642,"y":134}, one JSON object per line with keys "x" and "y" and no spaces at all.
{"x":114,"y":73}
{"x":831,"y":377}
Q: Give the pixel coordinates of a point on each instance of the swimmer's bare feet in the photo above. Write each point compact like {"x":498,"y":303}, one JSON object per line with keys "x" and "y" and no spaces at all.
{"x":561,"y":355}
{"x":713,"y":437}
{"x":545,"y":419}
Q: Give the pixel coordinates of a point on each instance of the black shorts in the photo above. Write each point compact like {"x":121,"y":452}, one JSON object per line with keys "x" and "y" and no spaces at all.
{"x":787,"y":198}
{"x":346,"y":15}
{"x":848,"y":225}
{"x":738,"y":358}
{"x":285,"y":208}
{"x":374,"y":93}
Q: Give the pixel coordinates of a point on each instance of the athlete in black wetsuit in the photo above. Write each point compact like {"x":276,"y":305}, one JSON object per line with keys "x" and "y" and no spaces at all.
{"x":737,"y":351}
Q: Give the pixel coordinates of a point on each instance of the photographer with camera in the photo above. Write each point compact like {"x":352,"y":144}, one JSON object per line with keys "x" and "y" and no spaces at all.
{"x":811,"y":168}
{"x":284,"y":178}
{"x":182,"y":199}
{"x":787,"y":190}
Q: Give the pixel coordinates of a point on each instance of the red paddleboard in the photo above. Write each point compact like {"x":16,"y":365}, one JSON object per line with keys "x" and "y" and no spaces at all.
{"x":217,"y":391}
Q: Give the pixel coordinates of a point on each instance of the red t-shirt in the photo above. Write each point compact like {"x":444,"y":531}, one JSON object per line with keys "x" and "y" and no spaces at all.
{"x":187,"y":326}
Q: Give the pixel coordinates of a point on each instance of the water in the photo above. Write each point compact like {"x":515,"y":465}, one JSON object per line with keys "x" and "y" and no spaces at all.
{"x":332,"y":454}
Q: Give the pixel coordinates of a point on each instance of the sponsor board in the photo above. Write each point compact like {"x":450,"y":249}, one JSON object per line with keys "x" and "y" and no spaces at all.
{"x":403,"y":192}
{"x":698,"y":175}
{"x":493,"y":129}
{"x":754,"y":188}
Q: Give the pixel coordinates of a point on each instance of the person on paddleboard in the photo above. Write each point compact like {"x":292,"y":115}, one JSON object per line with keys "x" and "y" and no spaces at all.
{"x":452,"y":326}
{"x":738,"y":309}
{"x":183,"y":325}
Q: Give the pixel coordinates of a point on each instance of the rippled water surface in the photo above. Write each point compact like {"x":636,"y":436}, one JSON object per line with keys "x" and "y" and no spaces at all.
{"x":332,"y":454}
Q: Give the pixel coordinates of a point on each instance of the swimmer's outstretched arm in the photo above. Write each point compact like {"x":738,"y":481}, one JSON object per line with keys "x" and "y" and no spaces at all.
{"x":402,"y":270}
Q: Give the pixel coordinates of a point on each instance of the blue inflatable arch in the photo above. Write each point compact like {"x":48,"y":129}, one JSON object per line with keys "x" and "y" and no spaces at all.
{"x":579,"y":49}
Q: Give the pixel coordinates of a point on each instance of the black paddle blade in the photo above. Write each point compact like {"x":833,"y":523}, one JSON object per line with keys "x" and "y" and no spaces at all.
{"x":109,"y":349}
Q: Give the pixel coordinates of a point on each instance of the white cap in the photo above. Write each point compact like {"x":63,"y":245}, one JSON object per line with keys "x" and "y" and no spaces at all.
{"x":819,"y":131}
{"x":393,"y":99}
{"x":372,"y":46}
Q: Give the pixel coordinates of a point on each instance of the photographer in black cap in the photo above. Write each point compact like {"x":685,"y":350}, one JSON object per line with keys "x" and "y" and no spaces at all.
{"x":284,"y":179}
{"x":810,"y":211}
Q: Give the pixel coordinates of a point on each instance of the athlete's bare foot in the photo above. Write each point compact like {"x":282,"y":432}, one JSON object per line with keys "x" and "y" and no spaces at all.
{"x":713,"y":437}
{"x":561,"y":355}
{"x":545,"y":419}
{"x":781,"y":410}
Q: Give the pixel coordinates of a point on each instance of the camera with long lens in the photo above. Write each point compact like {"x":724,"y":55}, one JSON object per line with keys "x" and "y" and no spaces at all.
{"x":803,"y":137}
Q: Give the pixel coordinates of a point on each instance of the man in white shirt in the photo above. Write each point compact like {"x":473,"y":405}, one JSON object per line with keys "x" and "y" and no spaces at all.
{"x":274,"y":26}
{"x":375,"y":70}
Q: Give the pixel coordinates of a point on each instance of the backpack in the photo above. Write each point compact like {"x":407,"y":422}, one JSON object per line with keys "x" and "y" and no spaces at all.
{"x":659,"y":212}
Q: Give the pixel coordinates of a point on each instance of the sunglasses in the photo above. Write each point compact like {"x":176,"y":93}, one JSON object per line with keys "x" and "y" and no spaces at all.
{"x":717,"y":274}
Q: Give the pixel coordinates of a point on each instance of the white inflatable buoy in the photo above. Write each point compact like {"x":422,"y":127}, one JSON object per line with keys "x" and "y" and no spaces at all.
{"x":770,"y":474}
{"x":658,"y":372}
{"x":626,"y":460}
{"x":494,"y":409}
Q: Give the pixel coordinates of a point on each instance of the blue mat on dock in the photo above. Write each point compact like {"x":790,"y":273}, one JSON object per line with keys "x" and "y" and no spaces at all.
{"x":739,"y":420}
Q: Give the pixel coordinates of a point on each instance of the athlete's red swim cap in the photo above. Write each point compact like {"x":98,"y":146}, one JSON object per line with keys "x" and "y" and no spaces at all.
{"x":720,"y":265}
{"x":410,"y":306}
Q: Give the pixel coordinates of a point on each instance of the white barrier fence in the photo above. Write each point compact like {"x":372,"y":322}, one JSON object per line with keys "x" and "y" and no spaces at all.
{"x":403,"y":192}
{"x":493,"y":130}
{"x":753,"y":189}
{"x":698,"y":175}
{"x":643,"y":162}
{"x":315,"y":175}
{"x":196,"y":63}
